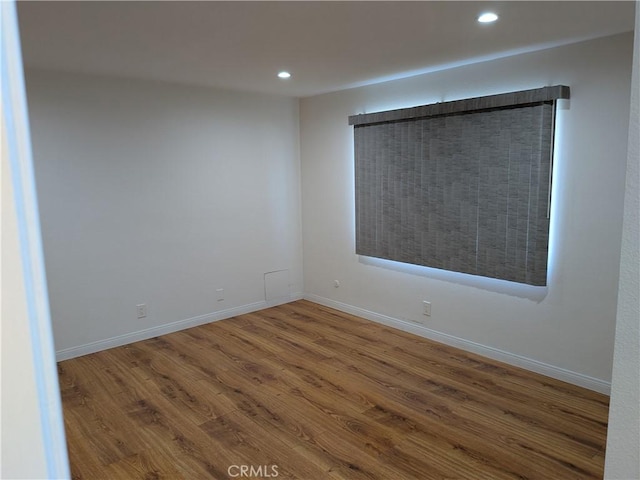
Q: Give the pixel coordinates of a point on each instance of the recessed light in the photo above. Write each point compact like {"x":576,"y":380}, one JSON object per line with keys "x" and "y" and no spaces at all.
{"x":284,"y":74}
{"x":488,"y":17}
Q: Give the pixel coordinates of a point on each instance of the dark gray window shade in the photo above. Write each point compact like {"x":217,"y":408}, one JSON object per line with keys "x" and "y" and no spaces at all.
{"x":462,"y":186}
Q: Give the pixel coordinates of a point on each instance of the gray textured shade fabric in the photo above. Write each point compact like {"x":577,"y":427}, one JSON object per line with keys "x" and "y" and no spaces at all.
{"x":466,"y":192}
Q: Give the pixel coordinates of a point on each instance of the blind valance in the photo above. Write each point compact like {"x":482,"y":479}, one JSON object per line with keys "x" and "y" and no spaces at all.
{"x":503,"y":100}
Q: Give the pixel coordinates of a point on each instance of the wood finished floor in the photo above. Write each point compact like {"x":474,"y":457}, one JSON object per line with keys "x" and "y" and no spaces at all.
{"x":306,"y":392}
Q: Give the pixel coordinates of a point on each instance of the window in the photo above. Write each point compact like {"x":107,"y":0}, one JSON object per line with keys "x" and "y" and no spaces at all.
{"x":462,"y":186}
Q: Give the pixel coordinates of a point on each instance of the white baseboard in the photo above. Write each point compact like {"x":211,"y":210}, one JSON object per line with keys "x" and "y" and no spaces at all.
{"x":552,"y":371}
{"x":132,"y":337}
{"x":490,"y":352}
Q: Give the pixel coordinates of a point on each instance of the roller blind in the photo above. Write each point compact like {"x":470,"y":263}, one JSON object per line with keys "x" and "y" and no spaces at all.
{"x":462,"y":186}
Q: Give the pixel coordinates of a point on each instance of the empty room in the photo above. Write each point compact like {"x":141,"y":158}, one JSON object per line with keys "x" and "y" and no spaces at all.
{"x":320,"y":240}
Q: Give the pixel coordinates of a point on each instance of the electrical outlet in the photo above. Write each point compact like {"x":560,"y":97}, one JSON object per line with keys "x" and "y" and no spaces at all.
{"x":219,"y":294}
{"x":141,"y":310}
{"x":426,"y":308}
{"x":336,"y":283}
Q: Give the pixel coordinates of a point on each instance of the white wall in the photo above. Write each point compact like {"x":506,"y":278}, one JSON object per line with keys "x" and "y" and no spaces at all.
{"x":21,"y":431}
{"x":623,"y":436}
{"x":32,"y":439}
{"x":160,"y":194}
{"x":567,"y":332}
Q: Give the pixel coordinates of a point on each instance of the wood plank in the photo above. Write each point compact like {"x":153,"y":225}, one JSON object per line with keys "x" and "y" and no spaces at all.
{"x":321,"y":394}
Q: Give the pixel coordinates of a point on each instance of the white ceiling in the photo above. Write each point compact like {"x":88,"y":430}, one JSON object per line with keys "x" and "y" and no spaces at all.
{"x":326,"y":45}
